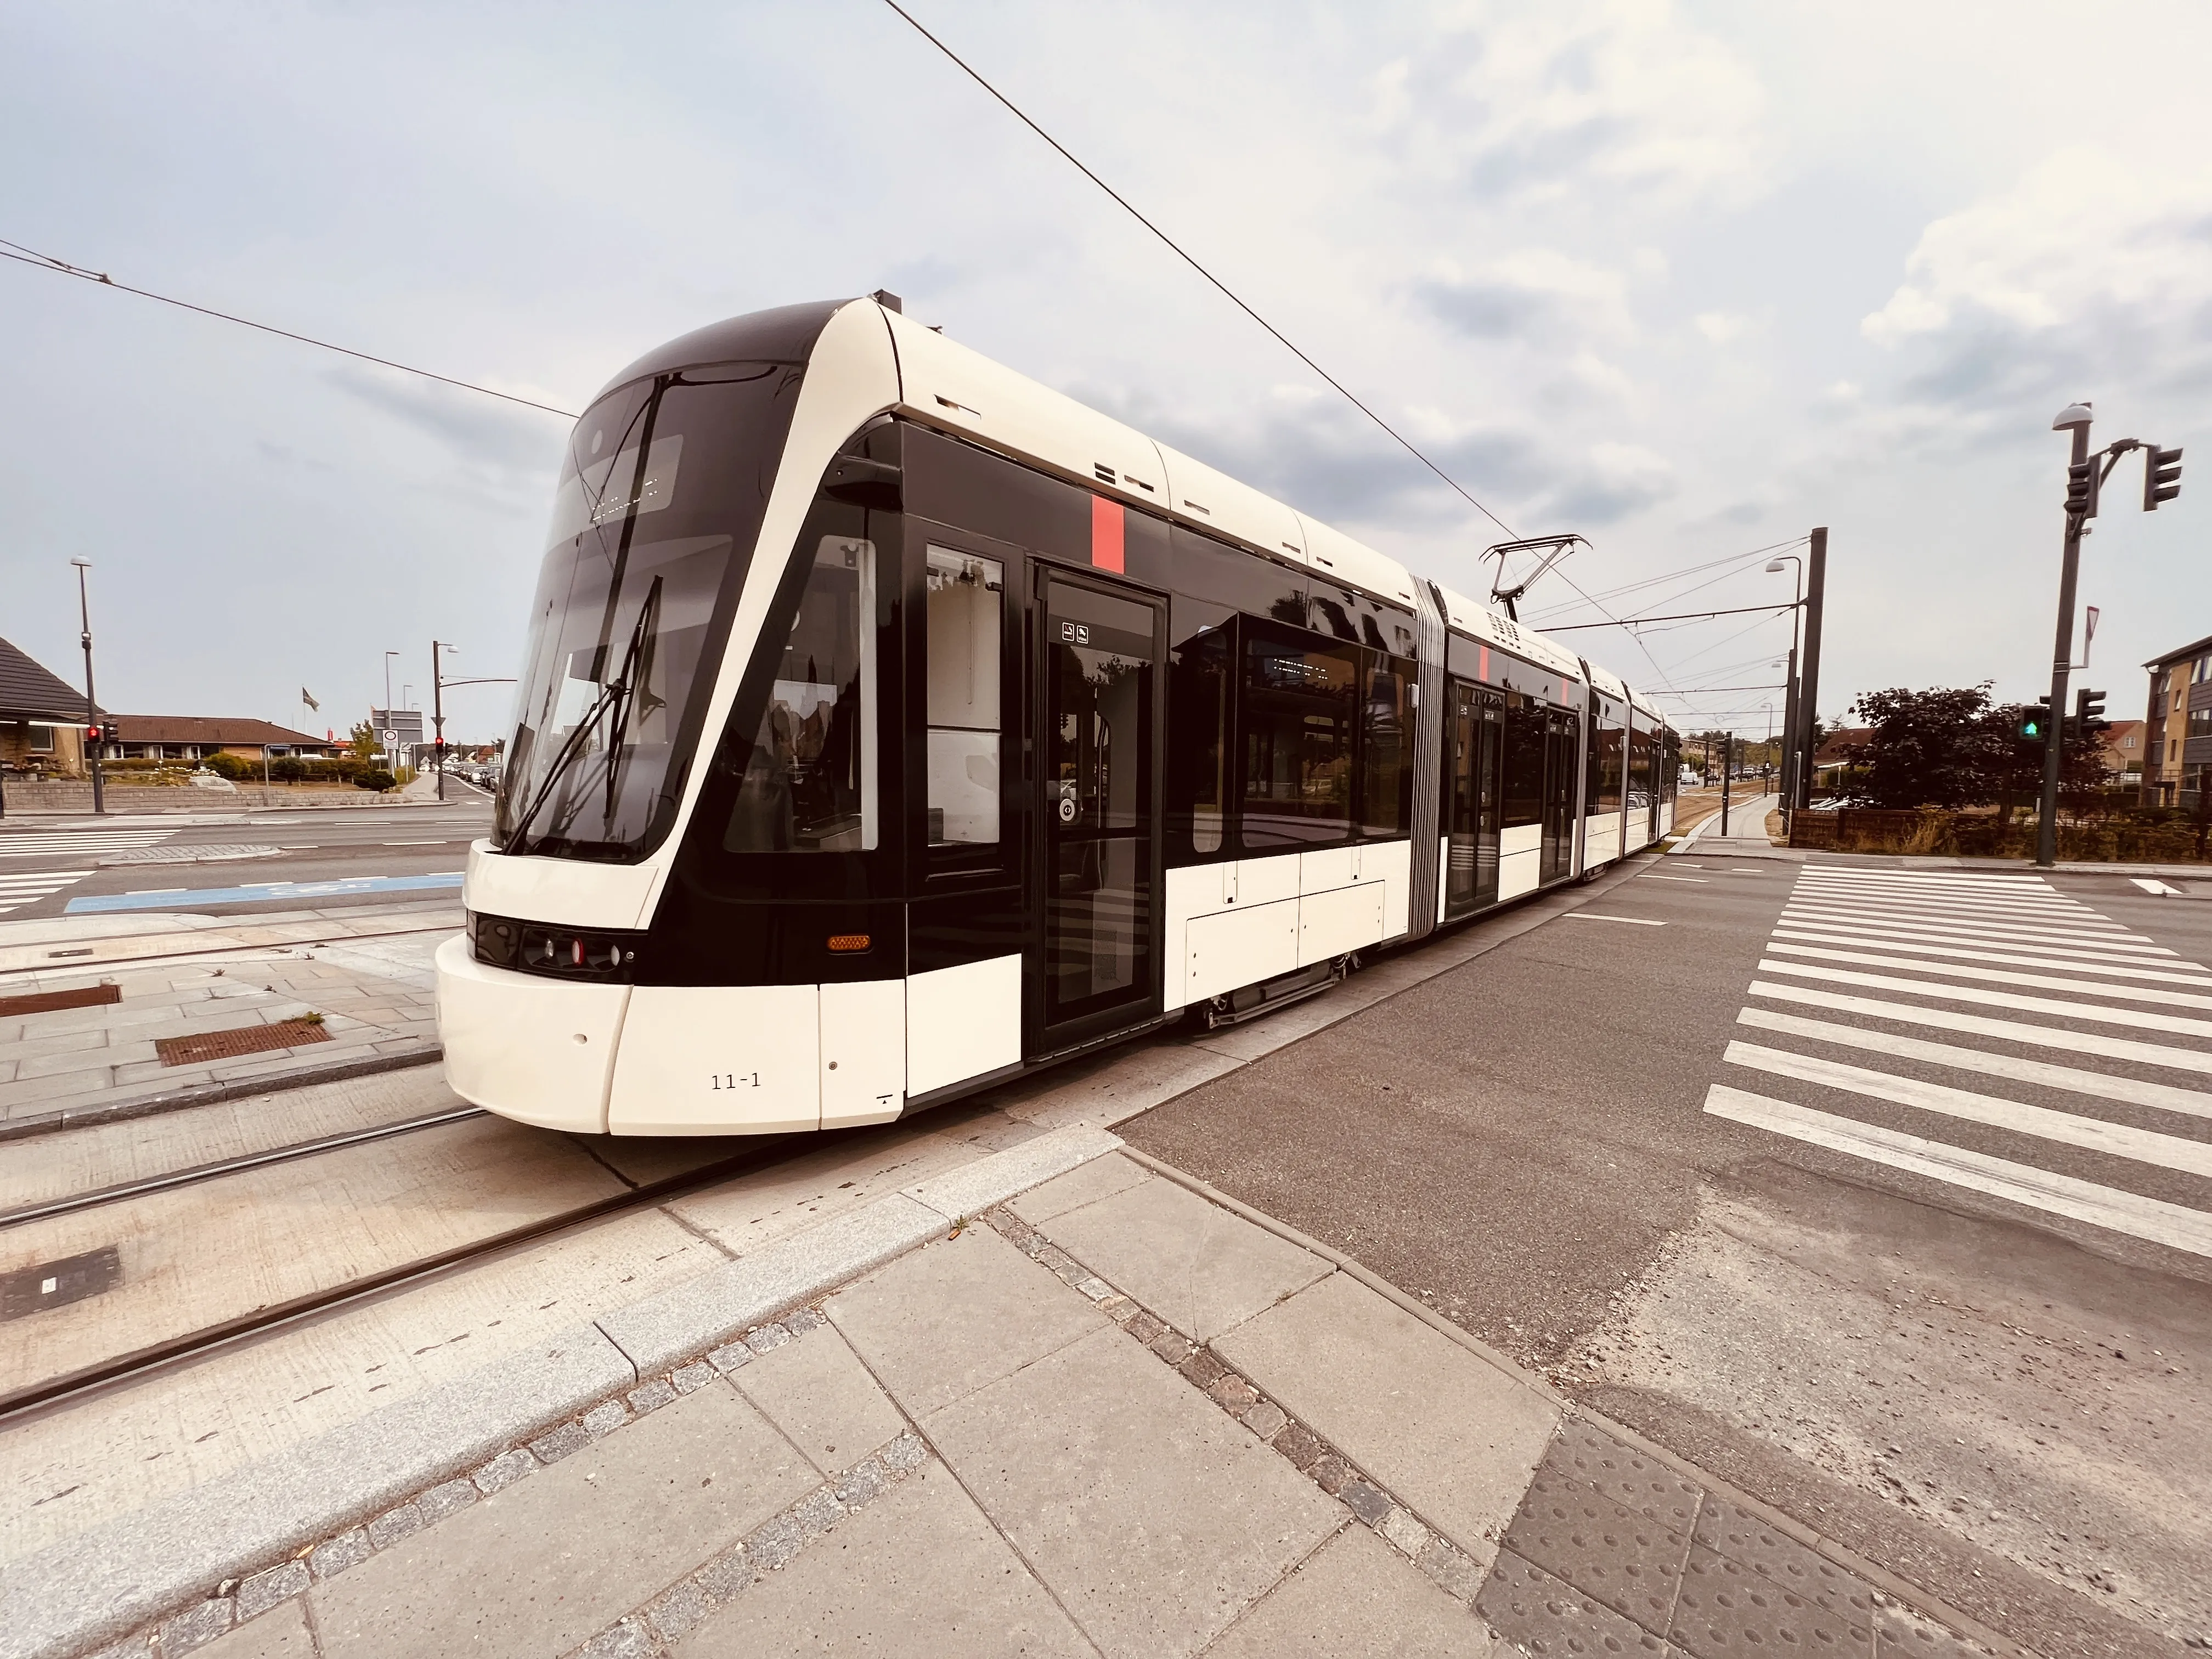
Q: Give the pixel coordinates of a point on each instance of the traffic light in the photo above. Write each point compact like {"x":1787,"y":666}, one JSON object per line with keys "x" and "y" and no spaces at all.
{"x":111,"y":733}
{"x":2089,"y":712}
{"x":2161,"y":476}
{"x":2034,"y":722}
{"x":2082,"y":488}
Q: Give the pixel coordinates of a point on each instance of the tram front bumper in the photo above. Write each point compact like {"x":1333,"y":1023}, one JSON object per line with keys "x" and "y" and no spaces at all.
{"x":528,"y":1047}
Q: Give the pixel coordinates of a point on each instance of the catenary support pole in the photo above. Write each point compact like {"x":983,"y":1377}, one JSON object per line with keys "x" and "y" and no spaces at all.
{"x":2062,"y":659}
{"x":438,"y":715}
{"x":1808,"y":694}
{"x":91,"y":702}
{"x":1789,"y":735}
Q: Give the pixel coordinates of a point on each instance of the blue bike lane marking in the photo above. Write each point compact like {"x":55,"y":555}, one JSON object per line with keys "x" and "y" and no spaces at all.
{"x":184,"y":898}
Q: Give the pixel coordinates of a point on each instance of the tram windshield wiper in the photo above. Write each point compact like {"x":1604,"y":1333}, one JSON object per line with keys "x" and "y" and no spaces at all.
{"x":620,"y":693}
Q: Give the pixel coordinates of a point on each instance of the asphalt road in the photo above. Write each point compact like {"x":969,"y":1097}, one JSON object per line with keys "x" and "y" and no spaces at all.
{"x":288,"y":860}
{"x":2002,"y":1402}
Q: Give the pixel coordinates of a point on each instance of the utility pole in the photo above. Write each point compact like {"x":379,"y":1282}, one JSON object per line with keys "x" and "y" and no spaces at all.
{"x":1790,"y":763}
{"x":91,"y":702}
{"x":438,"y":712}
{"x":1808,"y":691}
{"x":2081,"y":504}
{"x":1727,"y":769}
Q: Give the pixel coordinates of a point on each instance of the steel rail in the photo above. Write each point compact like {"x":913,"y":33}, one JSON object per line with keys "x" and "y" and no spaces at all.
{"x":135,"y":1365}
{"x":193,"y":1175}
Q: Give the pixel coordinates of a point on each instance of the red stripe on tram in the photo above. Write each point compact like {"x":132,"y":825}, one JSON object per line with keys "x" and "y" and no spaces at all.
{"x":1106,"y":525}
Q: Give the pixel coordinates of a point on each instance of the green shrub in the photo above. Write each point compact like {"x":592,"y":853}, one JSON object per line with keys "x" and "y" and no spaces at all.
{"x":236,"y":768}
{"x":376,"y":778}
{"x":288,"y":768}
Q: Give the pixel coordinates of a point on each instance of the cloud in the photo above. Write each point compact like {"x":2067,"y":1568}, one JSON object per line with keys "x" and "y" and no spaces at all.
{"x":512,"y":443}
{"x":2091,"y":265}
{"x":1544,"y":102}
{"x":1530,"y":292}
{"x":1618,"y":480}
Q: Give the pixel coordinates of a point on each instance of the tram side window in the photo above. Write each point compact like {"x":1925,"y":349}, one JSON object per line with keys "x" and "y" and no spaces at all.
{"x":810,"y":784}
{"x":967,"y":663}
{"x":1386,"y":757}
{"x":1524,"y":760}
{"x":1197,"y":735}
{"x":1612,"y":747}
{"x":1300,"y":709}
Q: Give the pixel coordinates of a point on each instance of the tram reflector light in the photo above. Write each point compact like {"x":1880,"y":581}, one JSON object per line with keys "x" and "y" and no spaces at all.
{"x":849,"y":941}
{"x":557,"y":953}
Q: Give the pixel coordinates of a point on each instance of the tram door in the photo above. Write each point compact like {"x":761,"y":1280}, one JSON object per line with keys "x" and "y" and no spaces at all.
{"x":1099,"y":754}
{"x":1558,"y":843}
{"x":1473,"y":748}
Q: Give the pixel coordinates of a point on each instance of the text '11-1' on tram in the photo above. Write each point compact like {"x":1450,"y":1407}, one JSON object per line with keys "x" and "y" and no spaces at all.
{"x":891,"y":724}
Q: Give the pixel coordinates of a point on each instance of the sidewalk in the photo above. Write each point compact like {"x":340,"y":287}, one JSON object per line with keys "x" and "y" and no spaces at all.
{"x":85,"y":1042}
{"x":1109,"y":1416}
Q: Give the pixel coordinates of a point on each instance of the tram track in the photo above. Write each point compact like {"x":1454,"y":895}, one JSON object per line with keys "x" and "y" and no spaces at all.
{"x":218,"y":1168}
{"x":72,"y":1386}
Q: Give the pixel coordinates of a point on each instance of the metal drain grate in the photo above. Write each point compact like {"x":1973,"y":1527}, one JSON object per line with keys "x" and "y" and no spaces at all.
{"x":239,"y":1040}
{"x":46,"y":1002}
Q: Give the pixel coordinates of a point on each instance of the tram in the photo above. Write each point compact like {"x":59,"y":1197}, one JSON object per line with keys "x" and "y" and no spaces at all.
{"x":892,"y":725}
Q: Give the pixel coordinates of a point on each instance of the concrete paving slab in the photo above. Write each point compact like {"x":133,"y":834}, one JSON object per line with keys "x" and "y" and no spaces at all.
{"x":1193,"y":1263}
{"x":819,"y":1393}
{"x":279,"y":1633}
{"x":71,"y":1161}
{"x":1102,"y":1177}
{"x":919,"y":1572}
{"x":1452,"y":1435}
{"x":516,"y":1577}
{"x":947,"y":1321}
{"x":842,"y":1173}
{"x":973,"y":1187}
{"x":1154,"y":1517}
{"x":195,"y":1256}
{"x":1356,"y":1598}
{"x":1113,"y":1088}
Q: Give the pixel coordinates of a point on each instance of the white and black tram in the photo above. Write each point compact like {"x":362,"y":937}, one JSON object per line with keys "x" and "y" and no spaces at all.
{"x":890,"y":724}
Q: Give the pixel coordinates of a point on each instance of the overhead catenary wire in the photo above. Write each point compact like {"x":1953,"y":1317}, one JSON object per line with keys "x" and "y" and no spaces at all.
{"x":47,"y":262}
{"x":1177,"y":249}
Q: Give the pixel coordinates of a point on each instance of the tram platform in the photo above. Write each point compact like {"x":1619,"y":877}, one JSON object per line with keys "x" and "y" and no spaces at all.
{"x":109,"y":1017}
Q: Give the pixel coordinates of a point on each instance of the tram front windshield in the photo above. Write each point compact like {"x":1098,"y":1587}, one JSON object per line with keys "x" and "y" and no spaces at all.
{"x":660,"y":500}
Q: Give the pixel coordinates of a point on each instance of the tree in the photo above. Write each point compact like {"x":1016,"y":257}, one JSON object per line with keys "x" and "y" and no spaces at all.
{"x":364,"y":744}
{"x":1946,"y":747}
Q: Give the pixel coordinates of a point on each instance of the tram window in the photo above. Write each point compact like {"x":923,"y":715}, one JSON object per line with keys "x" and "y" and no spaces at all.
{"x":1334,"y":612}
{"x":1386,"y":757}
{"x":1299,"y":709}
{"x":966,"y":659}
{"x":1198,"y":732}
{"x":1207,"y":569}
{"x":1611,"y":752}
{"x":810,"y":785}
{"x":1524,"y":760}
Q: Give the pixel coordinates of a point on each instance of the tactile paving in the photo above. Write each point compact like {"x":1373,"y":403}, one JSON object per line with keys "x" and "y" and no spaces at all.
{"x":1742,"y":1537}
{"x":1583,"y":1452}
{"x":1605,"y":1550}
{"x":1727,"y":1611}
{"x":1901,"y":1634}
{"x":1550,"y":1619}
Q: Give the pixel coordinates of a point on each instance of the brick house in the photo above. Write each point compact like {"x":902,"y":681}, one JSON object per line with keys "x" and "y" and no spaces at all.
{"x":41,"y":718}
{"x":195,"y":737}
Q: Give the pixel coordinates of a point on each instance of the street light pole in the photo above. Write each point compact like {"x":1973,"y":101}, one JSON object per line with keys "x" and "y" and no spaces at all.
{"x":2076,"y":419}
{"x":1790,"y":764}
{"x":438,"y":712}
{"x":91,"y":702}
{"x":1808,"y":691}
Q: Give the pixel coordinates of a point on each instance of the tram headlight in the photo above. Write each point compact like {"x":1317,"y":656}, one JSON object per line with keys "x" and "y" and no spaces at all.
{"x":533,"y":947}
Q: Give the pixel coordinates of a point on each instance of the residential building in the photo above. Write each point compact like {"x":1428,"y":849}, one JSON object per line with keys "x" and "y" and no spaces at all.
{"x":2178,"y":725}
{"x":196,"y":737}
{"x":1839,"y":749}
{"x":2123,"y":750}
{"x":41,"y":718}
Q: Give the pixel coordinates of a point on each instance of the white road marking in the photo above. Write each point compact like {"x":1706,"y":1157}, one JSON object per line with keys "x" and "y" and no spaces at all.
{"x":2150,"y":886}
{"x":2068,"y":1128}
{"x":2103,"y":1085}
{"x":20,"y":887}
{"x":2080,"y":937}
{"x":2008,"y":1030}
{"x":1980,"y":892}
{"x":143,"y":892}
{"x":1700,"y":881}
{"x":69,"y":843}
{"x":1808,"y":934}
{"x":2001,"y":976}
{"x":1895,"y":937}
{"x":2143,"y":1020}
{"x":2109,"y":1207}
{"x":1927,"y":878}
{"x":2041,"y":911}
{"x":1634,"y":921}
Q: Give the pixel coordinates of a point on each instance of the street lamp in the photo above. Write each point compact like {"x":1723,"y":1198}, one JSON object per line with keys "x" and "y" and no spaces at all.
{"x":91,"y":703}
{"x":438,"y":712}
{"x":2075,"y":419}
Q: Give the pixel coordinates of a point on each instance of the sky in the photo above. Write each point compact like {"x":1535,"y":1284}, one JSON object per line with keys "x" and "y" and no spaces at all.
{"x":1685,"y":278}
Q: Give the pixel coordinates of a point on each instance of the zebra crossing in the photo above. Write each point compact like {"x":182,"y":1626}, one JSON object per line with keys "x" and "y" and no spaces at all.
{"x":1870,"y":976}
{"x":77,"y":843}
{"x":18,"y":889}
